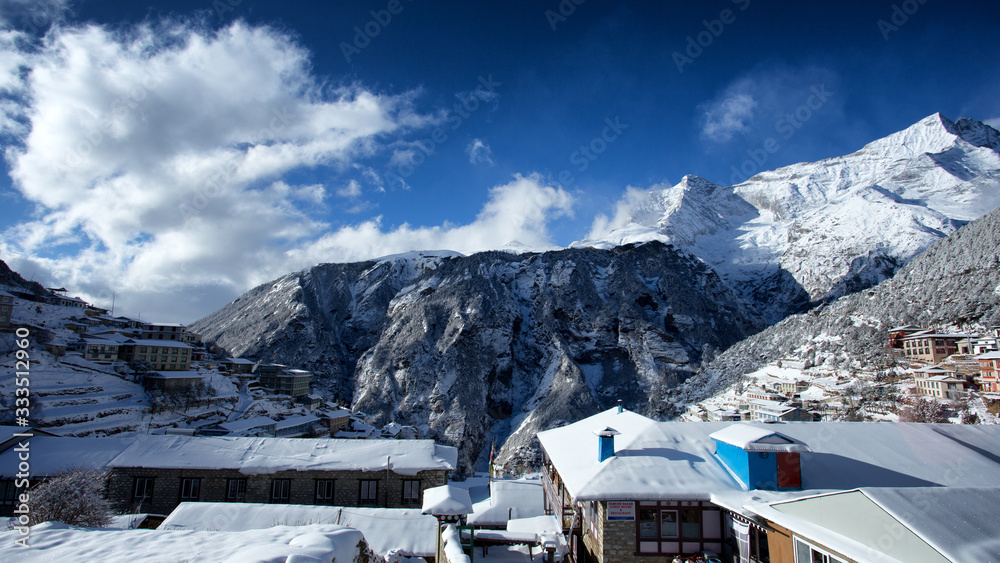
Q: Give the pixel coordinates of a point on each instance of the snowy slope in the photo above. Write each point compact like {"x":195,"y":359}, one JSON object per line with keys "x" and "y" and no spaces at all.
{"x":815,"y":231}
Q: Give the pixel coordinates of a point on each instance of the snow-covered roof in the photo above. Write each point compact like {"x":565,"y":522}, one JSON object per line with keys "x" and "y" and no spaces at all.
{"x":405,"y":530}
{"x":54,"y":541}
{"x":447,"y":500}
{"x":154,"y":342}
{"x":932,"y":369}
{"x":675,"y":460}
{"x":757,"y":439}
{"x":242,"y":361}
{"x":989,"y":356}
{"x":930,"y":334}
{"x":858,"y":522}
{"x":52,"y":455}
{"x":189,"y":374}
{"x":296,"y":421}
{"x":247,"y":424}
{"x":252,"y":456}
{"x":509,"y":499}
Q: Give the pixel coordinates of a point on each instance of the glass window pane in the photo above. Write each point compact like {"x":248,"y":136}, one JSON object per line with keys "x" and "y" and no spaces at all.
{"x":668,"y":524}
{"x":647,"y":523}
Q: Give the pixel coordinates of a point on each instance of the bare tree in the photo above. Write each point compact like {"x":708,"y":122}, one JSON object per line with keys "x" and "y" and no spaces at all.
{"x":75,"y":497}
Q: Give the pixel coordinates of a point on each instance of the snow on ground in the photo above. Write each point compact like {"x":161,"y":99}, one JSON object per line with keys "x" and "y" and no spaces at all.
{"x":54,"y":541}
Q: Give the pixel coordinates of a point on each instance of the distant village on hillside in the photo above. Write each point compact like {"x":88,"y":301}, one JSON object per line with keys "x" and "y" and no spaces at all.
{"x":203,"y":455}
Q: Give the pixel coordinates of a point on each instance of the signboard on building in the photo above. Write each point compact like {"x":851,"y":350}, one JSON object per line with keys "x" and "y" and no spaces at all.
{"x":621,"y":510}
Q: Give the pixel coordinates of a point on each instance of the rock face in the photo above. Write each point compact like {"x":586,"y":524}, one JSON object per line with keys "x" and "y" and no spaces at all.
{"x":812,"y":232}
{"x":954,"y":285}
{"x":494,"y":346}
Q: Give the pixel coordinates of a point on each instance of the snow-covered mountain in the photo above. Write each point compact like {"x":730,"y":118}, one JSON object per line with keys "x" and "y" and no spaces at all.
{"x":815,"y":231}
{"x":498,"y":345}
{"x":493,"y":346}
{"x":954,"y":286}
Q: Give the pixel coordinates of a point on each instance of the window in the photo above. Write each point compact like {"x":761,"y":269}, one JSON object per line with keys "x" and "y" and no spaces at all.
{"x":143,"y":489}
{"x":8,"y":492}
{"x":236,"y":490}
{"x":369,"y":492}
{"x":411,"y":491}
{"x":690,"y":523}
{"x":324,"y":491}
{"x":190,"y":488}
{"x":758,"y":545}
{"x":647,"y":523}
{"x":280,"y":489}
{"x":668,"y":524}
{"x":805,"y":553}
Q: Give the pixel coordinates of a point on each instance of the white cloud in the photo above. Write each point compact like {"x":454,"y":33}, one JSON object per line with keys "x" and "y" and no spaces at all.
{"x":728,"y":116}
{"x":753,"y":104}
{"x":351,"y":190}
{"x":624,"y":210}
{"x":157,"y":157}
{"x":479,"y":152}
{"x":994,"y":122}
{"x":517,"y":211}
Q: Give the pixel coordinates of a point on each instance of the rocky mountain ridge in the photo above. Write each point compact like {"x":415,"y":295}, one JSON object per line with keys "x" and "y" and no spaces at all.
{"x":812,"y":232}
{"x":493,"y":346}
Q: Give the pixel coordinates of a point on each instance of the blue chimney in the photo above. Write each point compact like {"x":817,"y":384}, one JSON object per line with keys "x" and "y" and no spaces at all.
{"x":606,"y":443}
{"x":620,"y":409}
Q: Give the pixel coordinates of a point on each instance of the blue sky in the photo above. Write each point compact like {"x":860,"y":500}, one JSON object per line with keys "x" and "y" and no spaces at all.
{"x":178,"y":153}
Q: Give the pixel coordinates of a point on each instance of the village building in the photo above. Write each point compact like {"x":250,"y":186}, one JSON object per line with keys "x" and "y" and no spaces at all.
{"x":777,"y":410}
{"x":162,"y":355}
{"x":256,"y":426}
{"x":884,"y":524}
{"x":6,"y":308}
{"x":156,"y":473}
{"x":100,"y":350}
{"x":628,"y":489}
{"x":237,"y":365}
{"x":63,"y":301}
{"x":933,"y":347}
{"x":171,"y":381}
{"x":989,"y":372}
{"x":940,"y":383}
{"x":301,"y":425}
{"x":292,"y":382}
{"x":336,"y":419}
{"x":167,"y":331}
{"x":898,"y":333}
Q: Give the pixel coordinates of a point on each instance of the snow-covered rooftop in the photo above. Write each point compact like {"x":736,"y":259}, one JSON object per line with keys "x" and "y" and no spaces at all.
{"x":406,"y":531}
{"x":54,"y":541}
{"x":247,"y":424}
{"x":252,"y":456}
{"x":757,"y":439}
{"x":675,"y":460}
{"x":447,"y":500}
{"x":52,"y":455}
{"x":896,"y":524}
